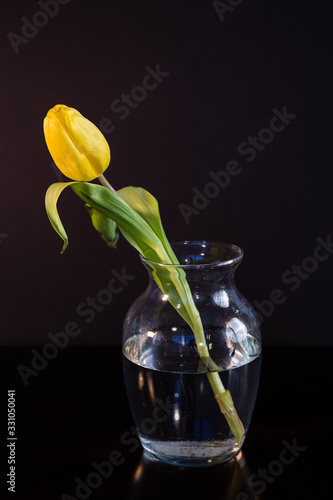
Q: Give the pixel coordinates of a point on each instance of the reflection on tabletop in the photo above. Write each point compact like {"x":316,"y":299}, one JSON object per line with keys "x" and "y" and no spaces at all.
{"x":227,"y":481}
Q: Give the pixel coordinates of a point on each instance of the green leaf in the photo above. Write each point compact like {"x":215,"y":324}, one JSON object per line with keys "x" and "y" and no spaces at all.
{"x":131,"y":224}
{"x":109,"y":204}
{"x":139,"y":221}
{"x":136,"y":213}
{"x":170,"y":279}
{"x":106,"y":227}
{"x":146,"y":205}
{"x":139,"y":228}
{"x":51,"y":200}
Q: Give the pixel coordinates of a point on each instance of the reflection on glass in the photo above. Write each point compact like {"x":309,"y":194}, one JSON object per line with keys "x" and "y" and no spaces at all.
{"x":221,"y":298}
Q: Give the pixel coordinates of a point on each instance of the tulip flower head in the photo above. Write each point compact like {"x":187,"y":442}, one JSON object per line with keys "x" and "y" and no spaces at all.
{"x":77,"y":146}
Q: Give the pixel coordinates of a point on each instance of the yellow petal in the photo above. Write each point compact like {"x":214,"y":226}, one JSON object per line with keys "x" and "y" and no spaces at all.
{"x":77,"y":146}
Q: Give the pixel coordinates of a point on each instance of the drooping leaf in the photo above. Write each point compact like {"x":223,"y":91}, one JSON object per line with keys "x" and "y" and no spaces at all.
{"x":106,"y":227}
{"x":131,"y":224}
{"x":51,"y":200}
{"x":137,"y":230}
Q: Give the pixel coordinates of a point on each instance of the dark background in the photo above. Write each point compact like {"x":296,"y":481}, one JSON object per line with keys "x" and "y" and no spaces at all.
{"x":225,"y":78}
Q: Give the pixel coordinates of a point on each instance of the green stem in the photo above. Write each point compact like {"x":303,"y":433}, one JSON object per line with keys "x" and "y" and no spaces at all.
{"x":227,"y":406}
{"x":222,"y":396}
{"x":103,"y":180}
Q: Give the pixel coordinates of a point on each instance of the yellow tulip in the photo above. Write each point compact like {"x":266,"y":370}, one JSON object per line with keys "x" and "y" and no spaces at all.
{"x":77,"y":146}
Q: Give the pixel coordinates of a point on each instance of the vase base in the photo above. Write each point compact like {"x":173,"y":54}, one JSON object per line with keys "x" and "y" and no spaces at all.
{"x":191,"y":453}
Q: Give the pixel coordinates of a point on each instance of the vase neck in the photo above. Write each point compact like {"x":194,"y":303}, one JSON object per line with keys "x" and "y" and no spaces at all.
{"x":203,"y":262}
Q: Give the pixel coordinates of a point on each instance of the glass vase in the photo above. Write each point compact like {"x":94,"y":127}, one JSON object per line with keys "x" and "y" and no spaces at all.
{"x":176,"y":415}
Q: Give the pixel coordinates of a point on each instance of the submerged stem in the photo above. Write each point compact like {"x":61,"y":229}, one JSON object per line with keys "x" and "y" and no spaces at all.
{"x":222,"y":396}
{"x":227,"y":407}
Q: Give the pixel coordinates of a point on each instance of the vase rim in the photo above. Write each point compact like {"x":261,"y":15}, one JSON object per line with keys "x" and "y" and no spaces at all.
{"x":235,"y":257}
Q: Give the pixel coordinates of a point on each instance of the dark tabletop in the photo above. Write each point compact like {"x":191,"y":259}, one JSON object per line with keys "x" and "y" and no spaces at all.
{"x":72,"y":412}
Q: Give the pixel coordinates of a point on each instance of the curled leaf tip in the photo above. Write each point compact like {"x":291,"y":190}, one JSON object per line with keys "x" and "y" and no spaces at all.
{"x":65,"y":245}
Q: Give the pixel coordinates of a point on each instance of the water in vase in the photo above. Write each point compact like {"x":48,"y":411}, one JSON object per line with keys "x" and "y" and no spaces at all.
{"x":177,"y":417}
